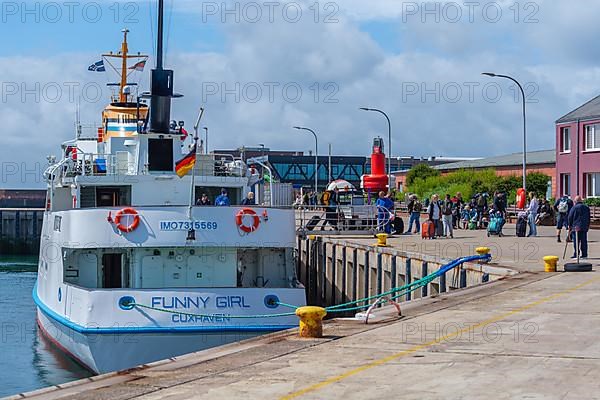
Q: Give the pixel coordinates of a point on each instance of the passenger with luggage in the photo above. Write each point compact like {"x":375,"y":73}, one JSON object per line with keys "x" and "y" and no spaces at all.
{"x":447,"y":207}
{"x":532,"y":214}
{"x":500,"y":203}
{"x":414,"y":212}
{"x":562,"y":207}
{"x":579,"y":225}
{"x":435,"y":214}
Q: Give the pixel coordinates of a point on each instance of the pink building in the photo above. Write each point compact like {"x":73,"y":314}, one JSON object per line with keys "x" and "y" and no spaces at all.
{"x":578,"y":151}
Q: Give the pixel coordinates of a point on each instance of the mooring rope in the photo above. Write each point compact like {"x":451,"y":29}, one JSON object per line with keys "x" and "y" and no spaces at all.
{"x":354,"y":305}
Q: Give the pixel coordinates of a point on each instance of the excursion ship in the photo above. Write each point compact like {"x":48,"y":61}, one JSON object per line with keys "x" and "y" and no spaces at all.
{"x":131,"y":271}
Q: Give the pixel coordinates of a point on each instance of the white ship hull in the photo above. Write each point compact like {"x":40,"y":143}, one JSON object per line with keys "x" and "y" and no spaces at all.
{"x":161,"y":309}
{"x":119,"y":349}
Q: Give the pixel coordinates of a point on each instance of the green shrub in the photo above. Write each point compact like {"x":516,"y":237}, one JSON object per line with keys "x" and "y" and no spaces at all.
{"x":420,"y":172}
{"x":593,"y":202}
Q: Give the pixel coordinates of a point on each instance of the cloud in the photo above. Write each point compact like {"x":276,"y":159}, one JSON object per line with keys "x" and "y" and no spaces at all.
{"x":270,"y":76}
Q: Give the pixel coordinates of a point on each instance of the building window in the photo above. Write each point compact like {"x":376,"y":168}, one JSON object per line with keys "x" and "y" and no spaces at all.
{"x":592,"y":184}
{"x":592,"y":137}
{"x":565,"y":140}
{"x":565,"y":184}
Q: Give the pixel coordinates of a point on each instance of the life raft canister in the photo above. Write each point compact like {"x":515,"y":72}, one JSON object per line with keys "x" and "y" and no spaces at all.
{"x":239,"y":220}
{"x":127,"y":212}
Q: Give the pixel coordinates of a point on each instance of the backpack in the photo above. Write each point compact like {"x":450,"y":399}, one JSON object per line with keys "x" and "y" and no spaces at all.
{"x":481,"y":201}
{"x":417,"y":206}
{"x":447,"y":208}
{"x":563,"y":206}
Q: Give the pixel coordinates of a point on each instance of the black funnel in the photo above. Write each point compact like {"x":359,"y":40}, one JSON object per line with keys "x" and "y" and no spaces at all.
{"x":161,"y":85}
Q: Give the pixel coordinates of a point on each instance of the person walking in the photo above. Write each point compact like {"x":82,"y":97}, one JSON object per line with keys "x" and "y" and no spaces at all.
{"x":414,"y":212}
{"x":579,"y":225}
{"x":562,"y":207}
{"x":435,"y":213}
{"x":447,"y":206}
{"x":532,"y":214}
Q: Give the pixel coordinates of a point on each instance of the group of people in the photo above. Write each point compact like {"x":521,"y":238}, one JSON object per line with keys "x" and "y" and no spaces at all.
{"x":223,"y":200}
{"x":453,"y":212}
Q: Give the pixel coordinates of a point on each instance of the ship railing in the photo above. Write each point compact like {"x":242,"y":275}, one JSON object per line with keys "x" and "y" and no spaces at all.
{"x":342,"y":220}
{"x":95,"y":164}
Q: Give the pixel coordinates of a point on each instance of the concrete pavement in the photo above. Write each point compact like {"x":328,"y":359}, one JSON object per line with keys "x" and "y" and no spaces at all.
{"x":532,"y":336}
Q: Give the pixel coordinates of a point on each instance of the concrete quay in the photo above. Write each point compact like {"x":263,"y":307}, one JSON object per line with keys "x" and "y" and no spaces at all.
{"x":533,"y":335}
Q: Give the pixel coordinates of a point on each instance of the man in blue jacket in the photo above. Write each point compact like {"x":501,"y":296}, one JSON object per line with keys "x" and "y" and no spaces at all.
{"x":222,"y":199}
{"x":579,"y":225}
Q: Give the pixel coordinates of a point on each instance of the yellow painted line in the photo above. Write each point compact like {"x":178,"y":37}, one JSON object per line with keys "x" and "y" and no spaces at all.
{"x":422,"y":346}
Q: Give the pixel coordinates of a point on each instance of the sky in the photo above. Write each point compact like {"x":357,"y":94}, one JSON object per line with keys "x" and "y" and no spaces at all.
{"x":259,"y":68}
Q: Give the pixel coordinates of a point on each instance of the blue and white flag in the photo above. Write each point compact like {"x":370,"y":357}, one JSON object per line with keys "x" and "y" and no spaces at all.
{"x":97,"y":67}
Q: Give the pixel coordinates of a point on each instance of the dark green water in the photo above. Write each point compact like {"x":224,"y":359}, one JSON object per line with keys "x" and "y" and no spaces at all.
{"x":27,"y":360}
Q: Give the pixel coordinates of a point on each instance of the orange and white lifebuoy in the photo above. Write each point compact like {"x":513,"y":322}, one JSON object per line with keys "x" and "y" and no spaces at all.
{"x":247,"y":212}
{"x":127,"y":212}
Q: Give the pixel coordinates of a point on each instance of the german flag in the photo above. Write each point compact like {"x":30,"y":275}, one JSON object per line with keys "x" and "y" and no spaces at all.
{"x":185,"y":165}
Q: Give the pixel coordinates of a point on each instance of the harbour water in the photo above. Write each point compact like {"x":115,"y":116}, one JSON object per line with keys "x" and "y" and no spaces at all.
{"x":28,"y":361}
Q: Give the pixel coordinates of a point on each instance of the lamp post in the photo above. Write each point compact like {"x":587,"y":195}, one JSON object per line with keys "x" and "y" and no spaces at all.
{"x":389,"y":143}
{"x":316,"y":155}
{"x":206,"y":141}
{"x":490,"y":74}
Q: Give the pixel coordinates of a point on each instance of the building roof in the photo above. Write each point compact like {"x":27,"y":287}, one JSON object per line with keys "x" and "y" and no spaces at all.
{"x":534,"y":157}
{"x":590,"y":110}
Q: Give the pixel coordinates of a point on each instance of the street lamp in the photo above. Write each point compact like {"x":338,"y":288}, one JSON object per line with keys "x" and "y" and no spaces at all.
{"x":389,"y":143}
{"x":316,"y":155}
{"x":206,"y":141}
{"x":490,"y":74}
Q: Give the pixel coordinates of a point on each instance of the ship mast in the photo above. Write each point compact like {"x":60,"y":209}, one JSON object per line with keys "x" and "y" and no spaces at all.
{"x":124,"y":51}
{"x":124,"y":56}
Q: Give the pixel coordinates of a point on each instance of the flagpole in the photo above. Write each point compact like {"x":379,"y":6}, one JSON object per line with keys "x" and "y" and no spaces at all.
{"x":192,"y":231}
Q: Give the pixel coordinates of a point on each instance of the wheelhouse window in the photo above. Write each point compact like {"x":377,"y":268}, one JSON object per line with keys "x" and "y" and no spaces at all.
{"x":592,"y":137}
{"x":592,"y":184}
{"x":565,"y":184}
{"x":565,"y":140}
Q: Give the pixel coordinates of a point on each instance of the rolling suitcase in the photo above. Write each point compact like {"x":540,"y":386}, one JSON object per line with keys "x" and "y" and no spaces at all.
{"x":428,"y":230}
{"x":313,"y":222}
{"x":522,"y":227}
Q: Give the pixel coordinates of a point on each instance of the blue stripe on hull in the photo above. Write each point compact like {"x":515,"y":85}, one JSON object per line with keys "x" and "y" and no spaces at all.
{"x":154,"y":329}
